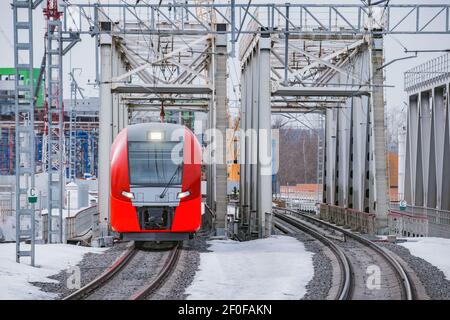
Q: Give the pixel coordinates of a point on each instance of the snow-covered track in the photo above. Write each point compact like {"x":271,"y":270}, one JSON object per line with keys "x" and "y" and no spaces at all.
{"x":98,"y":282}
{"x":345,"y":284}
{"x":363,"y":254}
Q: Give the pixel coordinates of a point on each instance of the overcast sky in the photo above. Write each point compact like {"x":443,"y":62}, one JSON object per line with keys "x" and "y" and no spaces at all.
{"x":82,"y":55}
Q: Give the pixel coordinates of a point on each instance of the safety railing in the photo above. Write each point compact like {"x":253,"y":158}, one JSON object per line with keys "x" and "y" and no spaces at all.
{"x":81,"y":224}
{"x":420,"y":221}
{"x":435,"y":70}
{"x":407,"y":225}
{"x":358,"y":221}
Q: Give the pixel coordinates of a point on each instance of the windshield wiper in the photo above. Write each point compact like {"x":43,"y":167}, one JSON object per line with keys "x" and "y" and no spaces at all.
{"x":163,"y":194}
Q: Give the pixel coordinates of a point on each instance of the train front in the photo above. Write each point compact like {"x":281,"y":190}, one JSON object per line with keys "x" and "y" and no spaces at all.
{"x":155,"y":183}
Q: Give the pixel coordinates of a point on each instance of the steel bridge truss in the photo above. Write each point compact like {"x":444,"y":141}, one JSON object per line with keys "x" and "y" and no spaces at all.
{"x":304,"y":19}
{"x":320,"y":58}
{"x":145,"y":74}
{"x":427,"y":169}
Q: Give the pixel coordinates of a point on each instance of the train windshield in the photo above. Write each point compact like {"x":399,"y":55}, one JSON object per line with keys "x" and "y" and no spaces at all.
{"x":151,"y":164}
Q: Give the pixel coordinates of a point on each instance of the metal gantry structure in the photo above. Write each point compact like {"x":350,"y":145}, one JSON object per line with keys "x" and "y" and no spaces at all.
{"x":55,"y":120}
{"x":295,"y":58}
{"x":24,"y":125}
{"x":25,"y":120}
{"x":75,"y":90}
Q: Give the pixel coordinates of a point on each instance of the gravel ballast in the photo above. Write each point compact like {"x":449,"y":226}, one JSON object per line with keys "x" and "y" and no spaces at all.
{"x":433,"y":279}
{"x":184,"y":273}
{"x":91,"y":266}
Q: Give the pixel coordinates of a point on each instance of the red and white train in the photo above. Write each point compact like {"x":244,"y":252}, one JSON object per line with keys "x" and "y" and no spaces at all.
{"x":155,"y":183}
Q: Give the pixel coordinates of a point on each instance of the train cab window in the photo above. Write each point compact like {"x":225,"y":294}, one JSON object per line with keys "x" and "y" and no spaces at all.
{"x":151,"y":164}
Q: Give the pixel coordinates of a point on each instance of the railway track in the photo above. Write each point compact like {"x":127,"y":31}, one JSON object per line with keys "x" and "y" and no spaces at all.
{"x":135,"y":275}
{"x":344,"y":291}
{"x":366,"y":259}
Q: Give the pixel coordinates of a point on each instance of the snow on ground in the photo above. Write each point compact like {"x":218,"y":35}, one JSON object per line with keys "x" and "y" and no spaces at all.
{"x":433,"y":250}
{"x":7,"y":228}
{"x":50,"y":259}
{"x":278,"y":267}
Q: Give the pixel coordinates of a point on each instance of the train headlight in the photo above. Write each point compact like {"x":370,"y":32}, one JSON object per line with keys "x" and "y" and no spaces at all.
{"x":155,"y":135}
{"x":182,"y":195}
{"x":129,"y":195}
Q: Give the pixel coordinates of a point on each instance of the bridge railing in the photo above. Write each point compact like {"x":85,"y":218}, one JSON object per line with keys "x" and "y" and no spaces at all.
{"x":420,"y":221}
{"x":405,"y":224}
{"x":358,"y":221}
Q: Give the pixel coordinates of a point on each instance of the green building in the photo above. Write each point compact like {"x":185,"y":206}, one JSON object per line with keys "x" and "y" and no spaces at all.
{"x":8,"y":74}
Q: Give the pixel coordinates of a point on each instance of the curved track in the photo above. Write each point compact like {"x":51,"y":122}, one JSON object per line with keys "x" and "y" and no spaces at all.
{"x":344,"y":291}
{"x":136,"y":274}
{"x":368,"y":261}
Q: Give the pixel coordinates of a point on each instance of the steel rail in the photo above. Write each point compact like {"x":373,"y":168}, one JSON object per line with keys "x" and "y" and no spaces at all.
{"x":98,"y":282}
{"x":162,"y":276}
{"x":345,"y":287}
{"x":408,"y":291}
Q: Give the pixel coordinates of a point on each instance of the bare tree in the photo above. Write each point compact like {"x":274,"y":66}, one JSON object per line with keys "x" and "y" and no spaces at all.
{"x":298,"y":156}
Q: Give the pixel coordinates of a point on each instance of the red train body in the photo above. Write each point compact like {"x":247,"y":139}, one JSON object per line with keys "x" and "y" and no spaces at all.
{"x":155,"y":183}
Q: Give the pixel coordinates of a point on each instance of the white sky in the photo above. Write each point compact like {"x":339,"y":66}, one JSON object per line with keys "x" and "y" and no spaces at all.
{"x":82,"y":55}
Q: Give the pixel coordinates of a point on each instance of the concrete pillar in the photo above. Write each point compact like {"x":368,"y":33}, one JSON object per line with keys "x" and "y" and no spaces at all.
{"x":256,"y":142}
{"x":115,"y":71}
{"x":381,"y":196}
{"x":445,"y":189}
{"x":330,"y":156}
{"x":253,"y":146}
{"x":264,"y":144}
{"x":413,"y":147}
{"x":425,"y":136}
{"x":337,"y":151}
{"x":105,"y":131}
{"x":210,"y":176}
{"x":401,"y":163}
{"x":245,"y":124}
{"x":350,"y":164}
{"x":368,"y":153}
{"x":438,"y":123}
{"x":220,"y":88}
{"x":119,"y":110}
{"x":123,"y":108}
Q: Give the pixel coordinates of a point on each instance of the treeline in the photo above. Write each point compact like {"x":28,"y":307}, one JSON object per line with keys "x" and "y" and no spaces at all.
{"x":298,"y":156}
